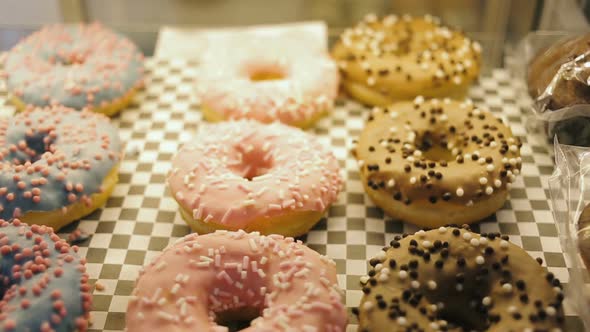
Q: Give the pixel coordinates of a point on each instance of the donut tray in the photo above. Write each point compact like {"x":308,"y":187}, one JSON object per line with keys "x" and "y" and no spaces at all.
{"x":141,"y":218}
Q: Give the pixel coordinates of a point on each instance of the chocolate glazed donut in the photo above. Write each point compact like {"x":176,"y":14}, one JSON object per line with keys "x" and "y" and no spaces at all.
{"x":451,"y":279}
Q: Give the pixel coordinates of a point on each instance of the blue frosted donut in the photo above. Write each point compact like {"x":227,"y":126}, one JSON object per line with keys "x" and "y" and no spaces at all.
{"x":57,"y":164}
{"x":79,"y":66}
{"x":44,"y":281}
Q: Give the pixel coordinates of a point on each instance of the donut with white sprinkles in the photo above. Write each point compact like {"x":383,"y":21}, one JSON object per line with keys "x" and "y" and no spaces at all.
{"x":44,"y":281}
{"x":398,"y":58}
{"x":84,"y":66}
{"x":200,"y":281}
{"x":296,"y":89}
{"x":450,"y":279}
{"x":269,"y":178}
{"x":56,"y":165}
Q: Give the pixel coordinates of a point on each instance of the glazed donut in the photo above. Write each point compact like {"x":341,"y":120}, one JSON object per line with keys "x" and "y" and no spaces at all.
{"x":247,"y":175}
{"x":432,"y":162}
{"x":383,"y":61}
{"x":79,"y":66}
{"x":295,"y":89}
{"x":235,"y":276}
{"x":57,"y":165}
{"x":584,"y":235}
{"x":450,"y":279}
{"x":45,"y":284}
{"x":545,"y":65}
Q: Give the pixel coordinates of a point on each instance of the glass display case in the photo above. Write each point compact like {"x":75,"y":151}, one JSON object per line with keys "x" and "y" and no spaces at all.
{"x":142,"y":218}
{"x":498,"y":25}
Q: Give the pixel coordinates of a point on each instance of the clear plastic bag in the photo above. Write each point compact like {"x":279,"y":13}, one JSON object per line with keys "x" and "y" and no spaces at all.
{"x":570,"y":193}
{"x":569,"y":122}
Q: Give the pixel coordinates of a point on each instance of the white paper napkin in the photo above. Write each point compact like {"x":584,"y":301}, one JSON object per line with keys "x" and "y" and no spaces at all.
{"x":196,"y":43}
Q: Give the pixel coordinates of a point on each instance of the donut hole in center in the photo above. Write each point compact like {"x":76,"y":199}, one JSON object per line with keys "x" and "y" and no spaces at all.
{"x":266,"y":72}
{"x":35,"y":145}
{"x":434,"y":147}
{"x":254,"y":162}
{"x":463,"y":311}
{"x":67,"y":59}
{"x":237,"y":319}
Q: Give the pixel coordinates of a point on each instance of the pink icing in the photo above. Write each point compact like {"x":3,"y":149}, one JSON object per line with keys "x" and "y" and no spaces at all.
{"x":289,"y":170}
{"x":308,"y":88}
{"x":200,"y":276}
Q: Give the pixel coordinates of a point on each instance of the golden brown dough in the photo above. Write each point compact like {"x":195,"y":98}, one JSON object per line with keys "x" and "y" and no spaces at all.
{"x":546,"y":64}
{"x":450,"y":279}
{"x":392,"y":59}
{"x":435,"y":162}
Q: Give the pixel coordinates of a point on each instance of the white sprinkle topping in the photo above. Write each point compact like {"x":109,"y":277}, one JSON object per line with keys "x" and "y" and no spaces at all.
{"x":261,"y":273}
{"x":442,"y":230}
{"x":460,"y":192}
{"x":483,"y":180}
{"x":507,"y":288}
{"x":432,"y":285}
{"x":415,"y":284}
{"x":504,"y":244}
{"x":165,"y":316}
{"x":474,"y":242}
{"x":480,"y":260}
{"x":402,"y":274}
{"x":248,"y":202}
{"x":161,"y":265}
{"x":253,"y":245}
{"x":426,"y":244}
{"x":487,"y":301}
{"x":467,"y":236}
{"x":391,"y":183}
{"x":489,"y":190}
{"x":368,"y":305}
{"x":402,"y":321}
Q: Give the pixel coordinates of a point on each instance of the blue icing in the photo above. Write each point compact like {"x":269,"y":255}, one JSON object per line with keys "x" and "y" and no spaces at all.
{"x":104,"y":52}
{"x":77,"y":139}
{"x":41,"y":305}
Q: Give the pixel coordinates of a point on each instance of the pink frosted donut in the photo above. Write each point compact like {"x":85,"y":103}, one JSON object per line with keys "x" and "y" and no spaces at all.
{"x":236,"y":276}
{"x":293,"y":89}
{"x":248,"y":175}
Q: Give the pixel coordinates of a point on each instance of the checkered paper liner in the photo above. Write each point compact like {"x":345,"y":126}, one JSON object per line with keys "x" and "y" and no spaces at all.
{"x":141,"y":218}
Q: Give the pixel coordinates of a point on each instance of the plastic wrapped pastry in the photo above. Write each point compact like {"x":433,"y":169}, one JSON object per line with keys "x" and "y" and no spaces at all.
{"x":558,"y":81}
{"x":570,"y":196}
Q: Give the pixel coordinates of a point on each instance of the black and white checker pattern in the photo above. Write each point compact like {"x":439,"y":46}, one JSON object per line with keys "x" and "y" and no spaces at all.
{"x":141,"y":218}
